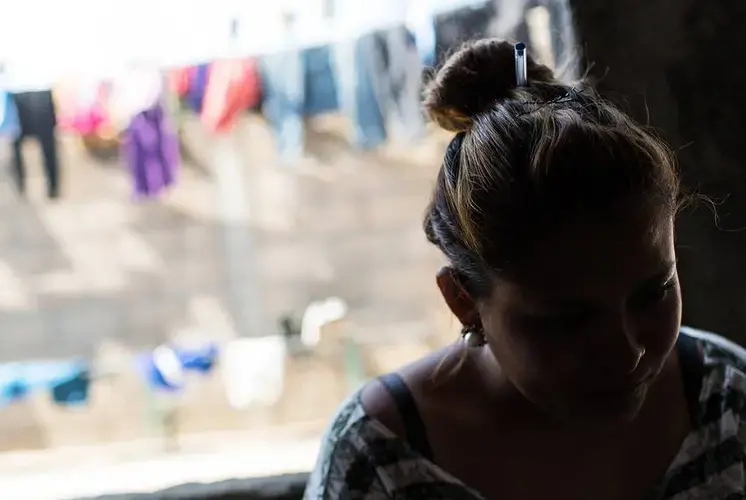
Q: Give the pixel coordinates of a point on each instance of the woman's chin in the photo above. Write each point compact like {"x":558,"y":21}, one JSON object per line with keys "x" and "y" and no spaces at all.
{"x":614,"y":408}
{"x":602,"y":410}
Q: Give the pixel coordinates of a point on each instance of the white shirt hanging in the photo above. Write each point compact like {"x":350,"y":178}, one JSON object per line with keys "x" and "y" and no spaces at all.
{"x":168,"y":365}
{"x":253,"y":371}
{"x":319,"y":314}
{"x":133,"y":91}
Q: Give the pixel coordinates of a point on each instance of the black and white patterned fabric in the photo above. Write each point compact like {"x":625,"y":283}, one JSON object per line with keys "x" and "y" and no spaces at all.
{"x":361,"y":459}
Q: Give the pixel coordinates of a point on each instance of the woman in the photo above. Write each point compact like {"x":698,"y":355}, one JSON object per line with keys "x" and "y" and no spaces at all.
{"x":556,"y":213}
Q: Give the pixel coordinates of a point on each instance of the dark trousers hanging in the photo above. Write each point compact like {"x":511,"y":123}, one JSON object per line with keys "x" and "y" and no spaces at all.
{"x":37,"y":119}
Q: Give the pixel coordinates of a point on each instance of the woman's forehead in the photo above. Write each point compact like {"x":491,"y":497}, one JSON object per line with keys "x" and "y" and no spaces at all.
{"x":595,"y":256}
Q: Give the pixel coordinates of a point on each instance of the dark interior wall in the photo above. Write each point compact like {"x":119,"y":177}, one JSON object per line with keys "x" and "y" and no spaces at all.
{"x":677,"y":62}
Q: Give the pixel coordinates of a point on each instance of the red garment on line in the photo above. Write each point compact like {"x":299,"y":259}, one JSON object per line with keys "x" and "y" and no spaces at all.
{"x":233,"y":87}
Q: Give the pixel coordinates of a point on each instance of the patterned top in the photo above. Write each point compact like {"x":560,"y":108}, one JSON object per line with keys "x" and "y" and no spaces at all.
{"x":362,"y":459}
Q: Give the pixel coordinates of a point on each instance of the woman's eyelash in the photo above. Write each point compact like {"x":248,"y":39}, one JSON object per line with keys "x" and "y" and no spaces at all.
{"x":656,"y":294}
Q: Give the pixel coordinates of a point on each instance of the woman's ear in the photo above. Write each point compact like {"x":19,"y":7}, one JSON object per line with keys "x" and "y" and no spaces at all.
{"x":461,"y":304}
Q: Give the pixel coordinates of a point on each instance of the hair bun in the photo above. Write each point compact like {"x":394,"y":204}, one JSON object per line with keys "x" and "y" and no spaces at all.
{"x":473,"y":79}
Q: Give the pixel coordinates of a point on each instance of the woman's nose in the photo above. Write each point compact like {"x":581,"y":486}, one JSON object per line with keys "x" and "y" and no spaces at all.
{"x":622,"y":350}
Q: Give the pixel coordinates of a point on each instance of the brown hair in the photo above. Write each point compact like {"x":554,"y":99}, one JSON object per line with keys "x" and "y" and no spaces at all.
{"x":526,"y":158}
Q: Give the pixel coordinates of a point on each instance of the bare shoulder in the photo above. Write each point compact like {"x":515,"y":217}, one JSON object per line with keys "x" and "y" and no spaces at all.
{"x":428,"y":380}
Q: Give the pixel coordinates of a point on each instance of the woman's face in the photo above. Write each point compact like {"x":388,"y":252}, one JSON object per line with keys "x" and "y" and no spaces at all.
{"x":590,"y":320}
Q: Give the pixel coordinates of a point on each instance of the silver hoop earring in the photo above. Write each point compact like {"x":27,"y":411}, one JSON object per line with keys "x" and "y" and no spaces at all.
{"x":473,"y":336}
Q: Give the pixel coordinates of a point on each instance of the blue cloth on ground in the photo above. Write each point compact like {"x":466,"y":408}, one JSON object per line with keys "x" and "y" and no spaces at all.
{"x":68,"y":381}
{"x":170,"y":378}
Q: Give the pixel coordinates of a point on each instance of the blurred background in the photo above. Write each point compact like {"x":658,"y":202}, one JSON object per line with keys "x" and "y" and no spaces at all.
{"x":210,"y":221}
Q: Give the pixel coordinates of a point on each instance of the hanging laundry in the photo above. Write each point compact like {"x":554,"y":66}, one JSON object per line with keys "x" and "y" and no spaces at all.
{"x":398,"y":83}
{"x":178,"y":80}
{"x":232,"y":88}
{"x":198,"y":79}
{"x":201,"y":359}
{"x":72,"y":392}
{"x":340,"y":77}
{"x":253,"y":371}
{"x":319,"y":314}
{"x":133,"y":91}
{"x":421,"y":23}
{"x":38,"y":119}
{"x":12,"y":388}
{"x":469,"y":20}
{"x":422,"y":17}
{"x":10,"y":126}
{"x":81,"y":106}
{"x":165,"y":368}
{"x":283,"y":83}
{"x":150,"y":147}
{"x":321,"y":89}
{"x":67,"y":381}
{"x":290,"y":330}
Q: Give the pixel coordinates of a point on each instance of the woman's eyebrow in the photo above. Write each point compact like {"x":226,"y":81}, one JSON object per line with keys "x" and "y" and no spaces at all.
{"x":668,"y":268}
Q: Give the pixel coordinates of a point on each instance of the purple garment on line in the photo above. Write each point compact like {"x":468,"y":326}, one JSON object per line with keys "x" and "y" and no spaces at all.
{"x":151,"y":150}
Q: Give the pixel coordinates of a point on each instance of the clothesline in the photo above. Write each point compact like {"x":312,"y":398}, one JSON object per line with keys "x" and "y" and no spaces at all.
{"x":374,"y":81}
{"x":251,"y":368}
{"x":182,"y":45}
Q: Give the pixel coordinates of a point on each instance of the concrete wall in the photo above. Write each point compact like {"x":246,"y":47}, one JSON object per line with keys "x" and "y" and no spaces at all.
{"x":98,"y":276}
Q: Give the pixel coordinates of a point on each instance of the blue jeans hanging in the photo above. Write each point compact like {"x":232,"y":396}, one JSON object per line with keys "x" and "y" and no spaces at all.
{"x":319,"y":80}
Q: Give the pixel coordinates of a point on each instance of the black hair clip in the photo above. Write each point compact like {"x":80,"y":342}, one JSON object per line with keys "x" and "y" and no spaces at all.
{"x":568,"y":96}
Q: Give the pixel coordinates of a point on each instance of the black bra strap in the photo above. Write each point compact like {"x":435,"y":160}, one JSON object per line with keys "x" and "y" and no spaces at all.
{"x":692,"y":374}
{"x":414,"y":427}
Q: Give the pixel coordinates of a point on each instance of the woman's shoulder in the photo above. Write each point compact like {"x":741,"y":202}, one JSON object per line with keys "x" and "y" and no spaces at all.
{"x":367,"y":450}
{"x":372,"y":411}
{"x":717,"y":350}
{"x":355,"y":450}
{"x":721,"y":377}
